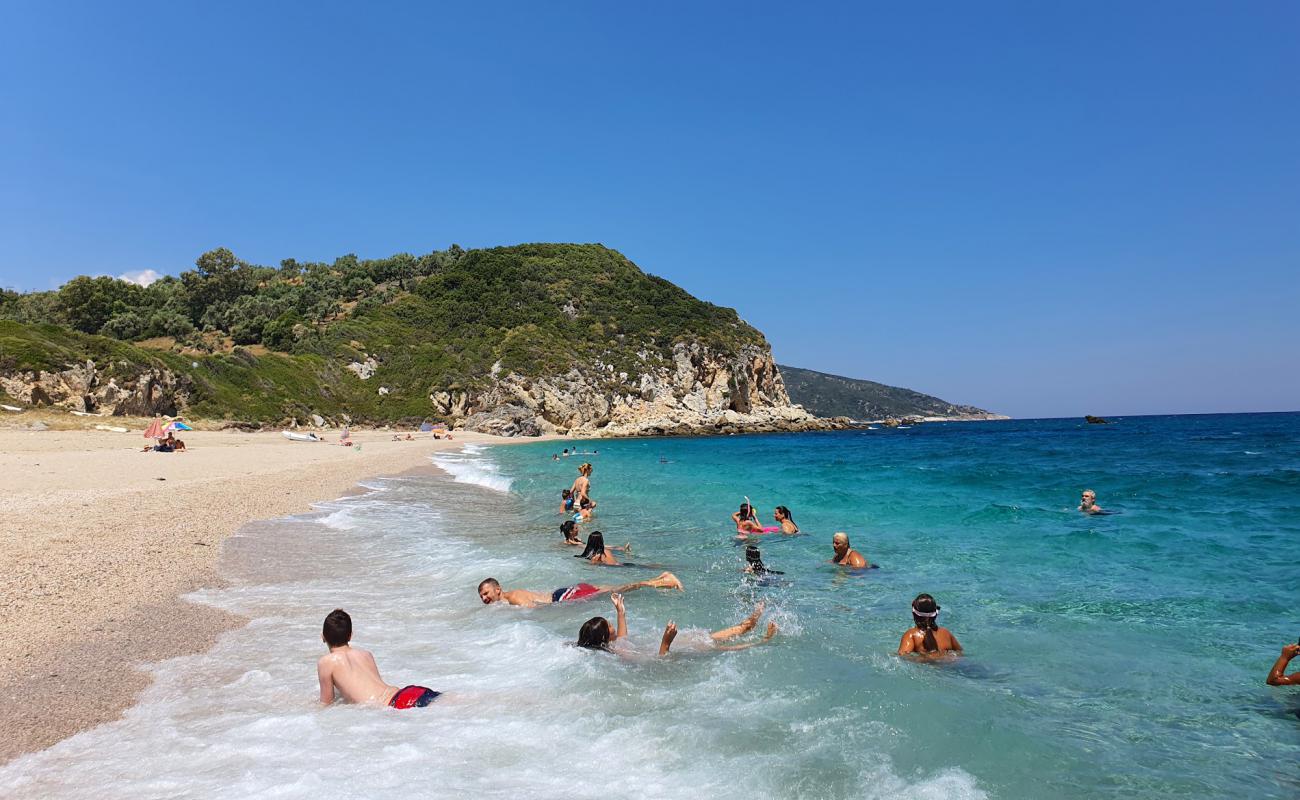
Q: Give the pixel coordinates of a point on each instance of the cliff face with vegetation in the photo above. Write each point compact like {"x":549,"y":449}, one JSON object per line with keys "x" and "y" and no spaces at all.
{"x":513,"y":340}
{"x":836,"y":396}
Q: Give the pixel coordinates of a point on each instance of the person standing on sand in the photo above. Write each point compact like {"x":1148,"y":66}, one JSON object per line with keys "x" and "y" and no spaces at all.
{"x":926,"y":638}
{"x":354,"y":674}
{"x":582,"y":486}
{"x":490,"y":591}
{"x":845,"y":555}
{"x":1276,"y":676}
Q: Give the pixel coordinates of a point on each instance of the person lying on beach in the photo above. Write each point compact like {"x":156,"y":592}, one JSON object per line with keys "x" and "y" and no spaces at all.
{"x":1276,"y":676}
{"x":783,"y":518}
{"x":490,"y":591}
{"x":1088,"y":503}
{"x":178,"y":445}
{"x":845,"y":555}
{"x":582,"y":484}
{"x":746,"y":519}
{"x":570,"y":530}
{"x":926,"y":638}
{"x":352,"y":672}
{"x":597,"y":634}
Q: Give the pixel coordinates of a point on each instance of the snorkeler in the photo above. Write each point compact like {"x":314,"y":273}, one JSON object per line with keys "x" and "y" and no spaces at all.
{"x":1275,"y":676}
{"x":783,"y":518}
{"x":597,"y":634}
{"x":582,"y":485}
{"x":926,"y":638}
{"x":746,"y":519}
{"x":1088,"y":503}
{"x":754,"y":563}
{"x":846,"y":556}
{"x":490,"y":591}
{"x":353,"y":672}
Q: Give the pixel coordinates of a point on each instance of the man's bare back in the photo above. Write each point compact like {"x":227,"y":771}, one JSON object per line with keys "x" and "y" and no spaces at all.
{"x":354,"y":674}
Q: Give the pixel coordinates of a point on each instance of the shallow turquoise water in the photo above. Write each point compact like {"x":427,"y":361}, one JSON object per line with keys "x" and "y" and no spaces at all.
{"x":1121,"y":655}
{"x":1118,"y":656}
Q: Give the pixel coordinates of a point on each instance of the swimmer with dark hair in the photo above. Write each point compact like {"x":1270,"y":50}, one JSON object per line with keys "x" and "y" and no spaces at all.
{"x":570,"y":530}
{"x":746,"y":519}
{"x":597,"y":633}
{"x":783,"y":518}
{"x":925,"y":638}
{"x":490,"y":591}
{"x":566,"y":501}
{"x":754,"y":563}
{"x":352,"y":672}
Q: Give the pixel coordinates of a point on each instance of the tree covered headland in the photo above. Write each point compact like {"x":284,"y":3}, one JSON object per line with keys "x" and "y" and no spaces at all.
{"x":440,"y":321}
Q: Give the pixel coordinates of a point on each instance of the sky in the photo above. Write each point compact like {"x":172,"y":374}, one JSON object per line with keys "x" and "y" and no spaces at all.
{"x":1043,"y":209}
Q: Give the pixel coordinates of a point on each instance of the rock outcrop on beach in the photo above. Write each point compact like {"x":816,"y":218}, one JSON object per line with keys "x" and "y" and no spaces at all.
{"x":519,"y":341}
{"x":837,"y":396}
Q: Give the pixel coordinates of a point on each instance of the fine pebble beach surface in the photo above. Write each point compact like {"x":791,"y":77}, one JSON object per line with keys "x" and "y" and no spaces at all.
{"x":1108,"y":656}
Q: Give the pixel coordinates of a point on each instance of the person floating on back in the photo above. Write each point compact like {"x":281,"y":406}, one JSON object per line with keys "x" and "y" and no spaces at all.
{"x":353,"y":674}
{"x":926,"y":638}
{"x":1276,"y":676}
{"x":597,"y":634}
{"x":844,"y":555}
{"x":490,"y":591}
{"x":1088,"y":503}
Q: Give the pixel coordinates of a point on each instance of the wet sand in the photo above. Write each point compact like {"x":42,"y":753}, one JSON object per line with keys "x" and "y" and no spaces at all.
{"x":98,"y":541}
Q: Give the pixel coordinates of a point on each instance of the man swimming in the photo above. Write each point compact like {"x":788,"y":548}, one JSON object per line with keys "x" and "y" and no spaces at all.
{"x":597,"y":634}
{"x":1088,"y":503}
{"x":846,"y":556}
{"x":926,"y":638}
{"x":490,"y":591}
{"x":1276,"y":676}
{"x":353,"y":673}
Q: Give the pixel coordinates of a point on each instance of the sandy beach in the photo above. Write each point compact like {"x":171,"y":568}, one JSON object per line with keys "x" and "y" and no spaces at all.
{"x":100,"y":540}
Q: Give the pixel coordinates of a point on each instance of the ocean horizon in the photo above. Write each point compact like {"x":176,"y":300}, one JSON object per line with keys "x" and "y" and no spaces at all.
{"x":1106,"y":656}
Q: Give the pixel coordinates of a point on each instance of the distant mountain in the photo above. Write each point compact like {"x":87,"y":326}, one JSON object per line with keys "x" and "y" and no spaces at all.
{"x":836,"y":396}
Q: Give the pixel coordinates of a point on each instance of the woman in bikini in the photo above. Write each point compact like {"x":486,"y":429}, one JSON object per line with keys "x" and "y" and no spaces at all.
{"x":783,"y":518}
{"x":925,"y":638}
{"x":597,"y":633}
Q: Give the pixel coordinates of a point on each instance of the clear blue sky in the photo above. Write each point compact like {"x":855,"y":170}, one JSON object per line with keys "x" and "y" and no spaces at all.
{"x":1040,"y":208}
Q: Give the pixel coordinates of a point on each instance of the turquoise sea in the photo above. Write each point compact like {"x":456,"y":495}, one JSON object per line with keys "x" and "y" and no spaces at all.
{"x":1109,"y":656}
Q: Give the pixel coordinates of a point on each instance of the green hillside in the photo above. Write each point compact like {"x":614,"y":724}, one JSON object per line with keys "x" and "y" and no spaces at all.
{"x":836,"y":396}
{"x":275,"y":342}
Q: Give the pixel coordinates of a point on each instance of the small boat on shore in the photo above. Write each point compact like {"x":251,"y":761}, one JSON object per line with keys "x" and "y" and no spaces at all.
{"x":301,"y":437}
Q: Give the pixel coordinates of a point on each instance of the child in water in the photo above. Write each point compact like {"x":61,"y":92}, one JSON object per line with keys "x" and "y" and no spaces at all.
{"x":925,"y":638}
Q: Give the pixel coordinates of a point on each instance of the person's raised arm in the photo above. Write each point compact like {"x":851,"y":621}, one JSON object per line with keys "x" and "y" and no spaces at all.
{"x":617,"y":599}
{"x":1276,"y":676}
{"x":325,"y":675}
{"x":670,"y":633}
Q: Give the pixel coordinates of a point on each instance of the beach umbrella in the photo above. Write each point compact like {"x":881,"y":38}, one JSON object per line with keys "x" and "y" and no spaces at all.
{"x":425,"y":427}
{"x":155,"y":430}
{"x":179,"y":426}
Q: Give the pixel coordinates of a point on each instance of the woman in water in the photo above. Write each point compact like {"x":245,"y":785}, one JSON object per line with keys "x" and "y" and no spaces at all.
{"x":597,"y":634}
{"x":925,"y":638}
{"x":783,"y":518}
{"x":570,"y":530}
{"x":597,"y":553}
{"x":582,"y":485}
{"x":746,"y":520}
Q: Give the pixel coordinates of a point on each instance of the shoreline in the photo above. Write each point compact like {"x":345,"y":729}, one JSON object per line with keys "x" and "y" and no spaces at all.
{"x":101,"y":542}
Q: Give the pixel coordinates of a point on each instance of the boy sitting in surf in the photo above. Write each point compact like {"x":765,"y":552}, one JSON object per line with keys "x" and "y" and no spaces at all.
{"x":354,"y":674}
{"x":490,"y":591}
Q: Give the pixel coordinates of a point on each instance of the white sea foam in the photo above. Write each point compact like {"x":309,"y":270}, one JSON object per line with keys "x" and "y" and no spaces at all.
{"x":525,"y":714}
{"x":472,"y":467}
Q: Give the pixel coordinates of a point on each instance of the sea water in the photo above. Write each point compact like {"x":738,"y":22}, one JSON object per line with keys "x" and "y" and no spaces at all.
{"x":1106,"y":656}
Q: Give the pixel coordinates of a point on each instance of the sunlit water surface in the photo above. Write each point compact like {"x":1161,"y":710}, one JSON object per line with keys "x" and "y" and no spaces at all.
{"x":1119,"y":656}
